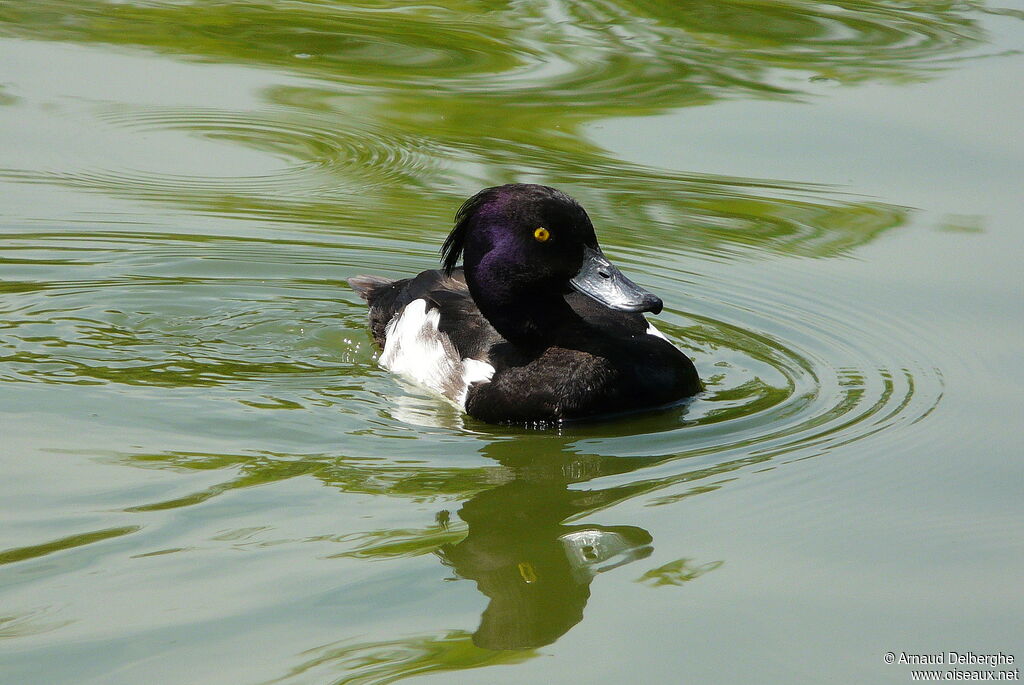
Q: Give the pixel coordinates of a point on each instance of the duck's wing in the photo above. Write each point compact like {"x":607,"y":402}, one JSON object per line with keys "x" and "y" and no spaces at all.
{"x":430,"y":330}
{"x":460,"y":319}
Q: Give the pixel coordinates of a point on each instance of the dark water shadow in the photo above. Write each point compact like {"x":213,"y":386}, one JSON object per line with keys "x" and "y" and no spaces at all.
{"x":527,"y":551}
{"x":530,"y":552}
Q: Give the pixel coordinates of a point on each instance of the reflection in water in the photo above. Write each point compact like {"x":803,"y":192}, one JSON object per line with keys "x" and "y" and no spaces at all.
{"x":535,"y":570}
{"x":694,"y":50}
{"x":10,"y":556}
{"x":401,"y":111}
{"x":29,"y":623}
{"x":677,"y":572}
{"x":386,"y":661}
{"x":534,"y":567}
{"x":527,"y":552}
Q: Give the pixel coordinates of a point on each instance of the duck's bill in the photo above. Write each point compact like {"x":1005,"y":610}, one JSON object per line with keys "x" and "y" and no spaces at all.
{"x":602,"y":280}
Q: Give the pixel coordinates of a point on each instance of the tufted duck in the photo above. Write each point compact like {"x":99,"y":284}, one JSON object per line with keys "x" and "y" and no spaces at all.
{"x":537,"y":326}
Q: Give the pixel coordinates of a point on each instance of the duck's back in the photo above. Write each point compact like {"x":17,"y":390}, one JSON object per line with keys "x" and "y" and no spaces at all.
{"x":459,"y":318}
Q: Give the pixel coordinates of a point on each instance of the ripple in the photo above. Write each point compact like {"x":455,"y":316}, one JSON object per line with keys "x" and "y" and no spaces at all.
{"x":591,"y":52}
{"x":314,"y":156}
{"x":170,"y":312}
{"x":371,"y":125}
{"x":584,"y":53}
{"x":188,"y":186}
{"x":454,"y":102}
{"x":788,"y":373}
{"x":10,"y":556}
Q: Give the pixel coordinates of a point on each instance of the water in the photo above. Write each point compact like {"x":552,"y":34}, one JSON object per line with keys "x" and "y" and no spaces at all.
{"x":205,"y":477}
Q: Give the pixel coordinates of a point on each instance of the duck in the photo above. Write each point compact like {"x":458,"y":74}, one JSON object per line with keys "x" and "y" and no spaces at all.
{"x":536,"y":326}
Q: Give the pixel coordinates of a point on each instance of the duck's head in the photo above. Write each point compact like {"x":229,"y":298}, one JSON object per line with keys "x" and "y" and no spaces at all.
{"x":523,"y":242}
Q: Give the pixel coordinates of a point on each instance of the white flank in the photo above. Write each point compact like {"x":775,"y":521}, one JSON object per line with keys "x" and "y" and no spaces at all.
{"x":416,"y":349}
{"x":473,"y":371}
{"x":651,"y":330}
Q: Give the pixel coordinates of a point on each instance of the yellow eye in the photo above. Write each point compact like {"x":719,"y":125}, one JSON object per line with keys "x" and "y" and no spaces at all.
{"x":542,"y":234}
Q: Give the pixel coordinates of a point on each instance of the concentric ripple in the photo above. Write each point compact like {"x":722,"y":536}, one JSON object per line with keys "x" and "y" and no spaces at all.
{"x":296,"y":157}
{"x":270,"y":325}
{"x":221,"y":334}
{"x":792,"y":374}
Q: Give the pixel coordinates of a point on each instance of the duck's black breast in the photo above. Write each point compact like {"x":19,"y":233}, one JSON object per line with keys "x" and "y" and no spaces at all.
{"x":607,"y":363}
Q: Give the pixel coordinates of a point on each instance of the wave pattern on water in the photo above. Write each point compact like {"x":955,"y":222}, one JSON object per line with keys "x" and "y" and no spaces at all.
{"x":343,"y":139}
{"x":553,"y":46}
{"x":308,"y":144}
{"x":200,"y":328}
{"x":786,"y":374}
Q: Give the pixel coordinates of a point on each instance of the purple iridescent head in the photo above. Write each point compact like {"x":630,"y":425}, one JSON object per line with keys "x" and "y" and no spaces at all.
{"x":522,"y":241}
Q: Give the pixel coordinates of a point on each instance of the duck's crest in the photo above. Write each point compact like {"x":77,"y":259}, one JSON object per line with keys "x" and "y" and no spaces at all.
{"x":451,"y":250}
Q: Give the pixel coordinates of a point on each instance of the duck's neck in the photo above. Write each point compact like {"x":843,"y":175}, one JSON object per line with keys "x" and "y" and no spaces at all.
{"x":531,"y":319}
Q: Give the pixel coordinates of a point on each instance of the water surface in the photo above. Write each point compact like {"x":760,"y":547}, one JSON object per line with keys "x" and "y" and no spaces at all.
{"x":206,"y":478}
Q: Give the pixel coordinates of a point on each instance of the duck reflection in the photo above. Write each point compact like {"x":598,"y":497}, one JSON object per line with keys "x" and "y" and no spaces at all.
{"x":535,"y":569}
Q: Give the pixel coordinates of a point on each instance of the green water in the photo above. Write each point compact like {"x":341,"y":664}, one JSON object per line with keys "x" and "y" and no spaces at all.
{"x":206,"y":478}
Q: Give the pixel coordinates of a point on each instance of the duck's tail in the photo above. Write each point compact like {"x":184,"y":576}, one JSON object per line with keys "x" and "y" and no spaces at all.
{"x":382,"y":294}
{"x":367,"y":286}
